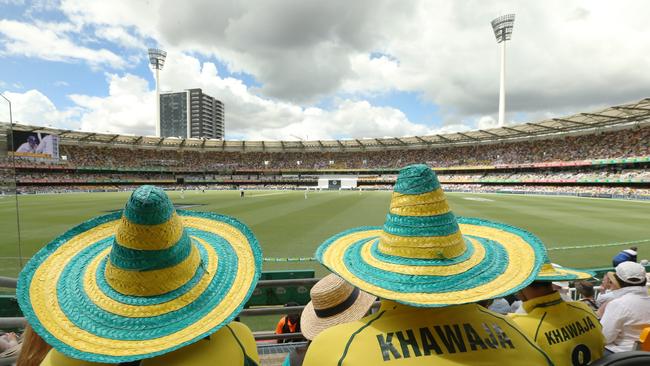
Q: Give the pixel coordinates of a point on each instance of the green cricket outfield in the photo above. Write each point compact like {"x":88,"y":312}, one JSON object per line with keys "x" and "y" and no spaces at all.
{"x":288,"y":225}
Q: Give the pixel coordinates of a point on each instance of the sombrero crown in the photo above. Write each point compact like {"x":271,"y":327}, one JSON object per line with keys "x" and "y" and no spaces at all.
{"x":139,"y":282}
{"x":426,"y":256}
{"x":152,"y":253}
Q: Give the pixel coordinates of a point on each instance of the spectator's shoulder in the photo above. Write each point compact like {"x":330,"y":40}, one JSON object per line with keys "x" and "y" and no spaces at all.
{"x":55,"y":358}
{"x":340,"y":333}
{"x":244,"y":334}
{"x":526,"y":323}
{"x":328,"y":346}
{"x":580,"y":305}
{"x":240,"y":329}
{"x":516,"y":316}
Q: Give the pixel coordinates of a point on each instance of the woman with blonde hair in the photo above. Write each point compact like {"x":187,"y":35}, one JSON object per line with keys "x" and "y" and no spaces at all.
{"x":608,"y":292}
{"x":33,"y":349}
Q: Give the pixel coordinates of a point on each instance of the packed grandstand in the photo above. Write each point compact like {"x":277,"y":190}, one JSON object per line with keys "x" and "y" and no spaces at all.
{"x":605,"y":153}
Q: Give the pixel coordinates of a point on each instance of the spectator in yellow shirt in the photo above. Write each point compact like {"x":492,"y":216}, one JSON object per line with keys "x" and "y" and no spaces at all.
{"x":430,"y":268}
{"x":142,"y":286}
{"x":568,"y":331}
{"x":233,"y":344}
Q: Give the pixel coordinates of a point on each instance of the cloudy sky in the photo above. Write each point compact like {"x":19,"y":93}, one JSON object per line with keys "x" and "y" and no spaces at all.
{"x":302,"y":69}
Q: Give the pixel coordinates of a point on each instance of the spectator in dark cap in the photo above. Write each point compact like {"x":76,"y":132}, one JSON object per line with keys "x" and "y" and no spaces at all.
{"x":627,"y":255}
{"x":289,"y":323}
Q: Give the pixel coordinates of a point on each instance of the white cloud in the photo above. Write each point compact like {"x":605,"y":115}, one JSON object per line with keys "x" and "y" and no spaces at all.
{"x":349,"y":118}
{"x":33,"y":107}
{"x":487,"y":122}
{"x":48,"y":41}
{"x":120,"y":36}
{"x":128,"y":108}
{"x":564,"y":57}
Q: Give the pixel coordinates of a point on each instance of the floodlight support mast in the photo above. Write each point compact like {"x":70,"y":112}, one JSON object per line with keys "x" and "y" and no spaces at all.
{"x":502,"y":86}
{"x":158,"y":100}
{"x":157,"y":61}
{"x":502,"y":27}
{"x":12,"y":148}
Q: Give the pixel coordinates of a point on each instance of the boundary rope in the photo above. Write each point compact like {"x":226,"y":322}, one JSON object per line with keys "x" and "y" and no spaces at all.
{"x":571,"y":247}
{"x":600,"y":245}
{"x":294,"y":259}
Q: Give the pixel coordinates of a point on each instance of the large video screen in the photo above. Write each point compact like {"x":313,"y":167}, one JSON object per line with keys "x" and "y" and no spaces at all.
{"x":35,"y":144}
{"x":334,"y":184}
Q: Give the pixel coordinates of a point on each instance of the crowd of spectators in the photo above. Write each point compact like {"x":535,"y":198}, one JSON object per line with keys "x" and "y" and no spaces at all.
{"x":594,"y":175}
{"x":84,"y":168}
{"x":606,"y":145}
{"x":540,"y":175}
{"x":548,"y":189}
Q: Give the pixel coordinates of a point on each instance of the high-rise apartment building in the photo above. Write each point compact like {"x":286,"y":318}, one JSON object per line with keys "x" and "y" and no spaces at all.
{"x":191,"y":113}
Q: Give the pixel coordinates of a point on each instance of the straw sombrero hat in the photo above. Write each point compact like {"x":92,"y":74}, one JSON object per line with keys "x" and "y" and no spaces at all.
{"x":551,"y":272}
{"x":333,"y":302}
{"x":426,"y":256}
{"x":140,"y":282}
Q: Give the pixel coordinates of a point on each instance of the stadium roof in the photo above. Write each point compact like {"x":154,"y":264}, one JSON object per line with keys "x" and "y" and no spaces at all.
{"x":616,"y":116}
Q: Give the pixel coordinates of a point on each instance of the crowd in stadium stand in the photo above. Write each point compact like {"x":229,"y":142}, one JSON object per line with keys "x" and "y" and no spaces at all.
{"x":606,"y":145}
{"x":552,"y":189}
{"x":639,"y":173}
{"x":634,"y":175}
{"x":592,"y":191}
{"x":232,"y":170}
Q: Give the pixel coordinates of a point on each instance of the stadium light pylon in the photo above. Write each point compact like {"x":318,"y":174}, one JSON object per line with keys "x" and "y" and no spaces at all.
{"x":12,"y":148}
{"x":157,"y":61}
{"x":502,"y":27}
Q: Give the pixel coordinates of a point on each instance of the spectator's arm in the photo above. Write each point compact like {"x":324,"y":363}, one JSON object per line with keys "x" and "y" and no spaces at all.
{"x":278,"y":328}
{"x":612,"y":321}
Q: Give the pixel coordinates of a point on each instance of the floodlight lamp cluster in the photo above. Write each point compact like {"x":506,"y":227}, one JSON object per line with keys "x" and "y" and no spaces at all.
{"x":157,"y":58}
{"x":502,"y":27}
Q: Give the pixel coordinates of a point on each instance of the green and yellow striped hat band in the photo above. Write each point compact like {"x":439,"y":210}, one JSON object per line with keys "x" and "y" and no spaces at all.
{"x":140,"y":282}
{"x":426,"y":256}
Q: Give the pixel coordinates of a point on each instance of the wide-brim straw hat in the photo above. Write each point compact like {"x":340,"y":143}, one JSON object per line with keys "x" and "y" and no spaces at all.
{"x":333,"y":302}
{"x":426,"y":256}
{"x":551,"y":272}
{"x":139,"y":282}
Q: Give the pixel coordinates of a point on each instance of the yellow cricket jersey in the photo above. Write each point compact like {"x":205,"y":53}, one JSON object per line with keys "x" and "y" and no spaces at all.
{"x":233,"y":344}
{"x":569,"y":332}
{"x":402,"y":335}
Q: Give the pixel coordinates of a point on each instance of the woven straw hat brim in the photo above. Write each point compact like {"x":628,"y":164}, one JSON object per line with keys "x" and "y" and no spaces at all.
{"x":67,"y":301}
{"x":500,"y":260}
{"x":311,"y":325}
{"x":565,"y":274}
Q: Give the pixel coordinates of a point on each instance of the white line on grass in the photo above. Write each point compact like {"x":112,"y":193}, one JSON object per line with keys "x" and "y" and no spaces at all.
{"x":267,"y":194}
{"x":549,"y":195}
{"x":480,"y":199}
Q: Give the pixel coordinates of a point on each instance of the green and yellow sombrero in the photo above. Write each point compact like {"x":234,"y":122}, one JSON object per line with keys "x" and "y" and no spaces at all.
{"x":140,"y":282}
{"x":426,"y":256}
{"x":554,"y":272}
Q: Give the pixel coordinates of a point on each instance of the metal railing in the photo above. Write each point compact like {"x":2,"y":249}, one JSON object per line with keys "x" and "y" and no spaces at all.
{"x":8,"y":282}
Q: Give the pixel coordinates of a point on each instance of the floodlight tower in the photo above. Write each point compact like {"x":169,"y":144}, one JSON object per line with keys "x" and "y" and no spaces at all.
{"x":502,"y":27}
{"x":157,"y":61}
